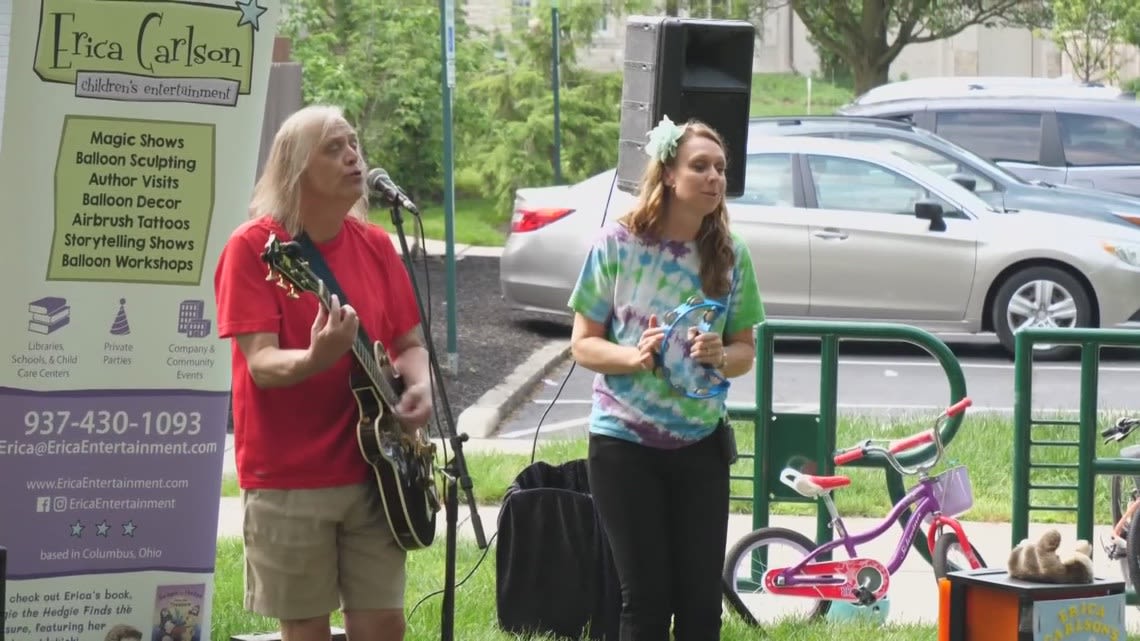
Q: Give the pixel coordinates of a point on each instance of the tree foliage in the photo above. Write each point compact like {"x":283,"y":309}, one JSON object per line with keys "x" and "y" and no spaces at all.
{"x":510,"y":142}
{"x":1089,"y":31}
{"x":381,"y":61}
{"x":868,"y":35}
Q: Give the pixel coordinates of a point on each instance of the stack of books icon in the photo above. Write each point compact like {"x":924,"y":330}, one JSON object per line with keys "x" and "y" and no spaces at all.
{"x":48,"y":314}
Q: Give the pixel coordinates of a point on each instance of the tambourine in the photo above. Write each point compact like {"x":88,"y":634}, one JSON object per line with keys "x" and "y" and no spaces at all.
{"x":675,"y":364}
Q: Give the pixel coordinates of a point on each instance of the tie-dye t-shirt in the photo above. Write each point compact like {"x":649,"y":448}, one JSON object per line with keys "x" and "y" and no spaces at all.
{"x":623,"y":281}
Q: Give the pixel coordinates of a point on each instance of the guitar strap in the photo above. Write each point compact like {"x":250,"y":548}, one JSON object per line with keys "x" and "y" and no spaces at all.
{"x":317,"y":262}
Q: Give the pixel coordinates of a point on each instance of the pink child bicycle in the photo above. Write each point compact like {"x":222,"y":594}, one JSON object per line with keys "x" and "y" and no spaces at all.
{"x":750,"y":569}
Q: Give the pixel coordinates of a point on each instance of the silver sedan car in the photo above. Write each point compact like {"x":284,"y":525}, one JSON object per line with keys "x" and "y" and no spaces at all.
{"x":843,"y":230}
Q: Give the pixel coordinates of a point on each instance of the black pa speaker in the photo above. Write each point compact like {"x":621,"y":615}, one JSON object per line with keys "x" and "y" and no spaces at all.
{"x":685,"y":68}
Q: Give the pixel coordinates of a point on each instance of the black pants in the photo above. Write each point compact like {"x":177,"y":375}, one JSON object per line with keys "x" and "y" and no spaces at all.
{"x":665,"y":513}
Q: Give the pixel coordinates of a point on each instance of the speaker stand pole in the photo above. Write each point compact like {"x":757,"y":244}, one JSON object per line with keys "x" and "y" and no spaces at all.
{"x":455,"y":472}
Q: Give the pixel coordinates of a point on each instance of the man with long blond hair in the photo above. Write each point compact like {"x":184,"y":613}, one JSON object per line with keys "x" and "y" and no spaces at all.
{"x":659,"y":460}
{"x":316,"y":538}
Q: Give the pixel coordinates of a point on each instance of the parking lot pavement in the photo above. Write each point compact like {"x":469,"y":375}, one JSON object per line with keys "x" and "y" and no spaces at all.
{"x":872,"y":380}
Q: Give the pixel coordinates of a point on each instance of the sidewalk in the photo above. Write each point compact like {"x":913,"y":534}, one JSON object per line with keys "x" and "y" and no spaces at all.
{"x":913,"y":592}
{"x":439,"y":248}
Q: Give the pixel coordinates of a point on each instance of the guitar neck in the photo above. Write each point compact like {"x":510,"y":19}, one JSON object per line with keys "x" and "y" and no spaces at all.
{"x":365,"y":356}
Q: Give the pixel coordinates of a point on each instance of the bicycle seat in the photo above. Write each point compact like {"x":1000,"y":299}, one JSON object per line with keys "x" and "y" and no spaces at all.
{"x":810,"y":485}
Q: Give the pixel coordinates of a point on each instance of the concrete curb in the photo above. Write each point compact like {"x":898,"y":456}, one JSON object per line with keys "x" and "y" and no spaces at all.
{"x":482,"y":419}
{"x":438,"y":248}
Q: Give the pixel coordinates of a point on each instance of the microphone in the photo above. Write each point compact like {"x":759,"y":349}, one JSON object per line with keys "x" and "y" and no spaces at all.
{"x":381,"y":183}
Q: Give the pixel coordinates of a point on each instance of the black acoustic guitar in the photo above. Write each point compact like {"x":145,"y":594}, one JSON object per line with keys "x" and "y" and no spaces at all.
{"x":404,"y":465}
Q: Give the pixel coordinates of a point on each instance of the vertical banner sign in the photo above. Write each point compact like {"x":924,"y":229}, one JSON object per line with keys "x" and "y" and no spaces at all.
{"x":131,"y":131}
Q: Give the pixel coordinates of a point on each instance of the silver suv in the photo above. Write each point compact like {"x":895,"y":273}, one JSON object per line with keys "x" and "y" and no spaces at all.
{"x":1089,"y":142}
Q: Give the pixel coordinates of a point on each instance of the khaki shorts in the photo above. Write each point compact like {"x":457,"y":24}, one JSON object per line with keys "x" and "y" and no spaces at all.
{"x":308,"y":552}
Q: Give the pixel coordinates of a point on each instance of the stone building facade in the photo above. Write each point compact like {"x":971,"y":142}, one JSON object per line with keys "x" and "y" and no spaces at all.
{"x":784,"y":47}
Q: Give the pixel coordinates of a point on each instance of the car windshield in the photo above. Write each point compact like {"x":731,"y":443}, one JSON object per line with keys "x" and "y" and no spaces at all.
{"x":975,"y":158}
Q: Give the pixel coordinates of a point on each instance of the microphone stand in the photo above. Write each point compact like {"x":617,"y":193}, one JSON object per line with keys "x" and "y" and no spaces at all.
{"x":454,"y":471}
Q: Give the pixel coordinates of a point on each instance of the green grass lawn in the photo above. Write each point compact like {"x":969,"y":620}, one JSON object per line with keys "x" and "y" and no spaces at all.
{"x":983,"y":444}
{"x":782,"y":94}
{"x":479,"y":222}
{"x":475,"y":604}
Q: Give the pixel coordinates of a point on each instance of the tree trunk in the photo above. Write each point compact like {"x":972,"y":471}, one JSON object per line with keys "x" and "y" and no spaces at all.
{"x":671,"y":8}
{"x":870,"y":67}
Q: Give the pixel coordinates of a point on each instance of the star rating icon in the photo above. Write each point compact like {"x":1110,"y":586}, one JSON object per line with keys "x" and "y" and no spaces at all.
{"x":102,"y":529}
{"x":129,"y":529}
{"x":77,"y":529}
{"x":251,"y":13}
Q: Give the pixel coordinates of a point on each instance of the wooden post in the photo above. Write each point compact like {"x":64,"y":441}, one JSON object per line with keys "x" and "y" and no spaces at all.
{"x":283,"y":96}
{"x":282,"y":49}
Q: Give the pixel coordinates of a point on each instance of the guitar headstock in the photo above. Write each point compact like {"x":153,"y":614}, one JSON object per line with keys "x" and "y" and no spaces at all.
{"x":288,"y":268}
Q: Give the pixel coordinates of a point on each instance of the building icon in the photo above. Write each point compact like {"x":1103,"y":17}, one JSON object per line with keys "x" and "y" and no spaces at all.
{"x":191,"y":321}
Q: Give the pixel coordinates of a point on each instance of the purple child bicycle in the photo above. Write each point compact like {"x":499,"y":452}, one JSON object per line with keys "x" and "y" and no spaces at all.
{"x":751,"y":570}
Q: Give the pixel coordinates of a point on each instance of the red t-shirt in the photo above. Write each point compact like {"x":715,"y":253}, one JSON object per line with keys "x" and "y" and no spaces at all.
{"x":304,"y":436}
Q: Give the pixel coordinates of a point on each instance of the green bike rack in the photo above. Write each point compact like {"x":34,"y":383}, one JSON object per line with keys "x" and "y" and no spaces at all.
{"x":1088,"y":465}
{"x":807,"y":441}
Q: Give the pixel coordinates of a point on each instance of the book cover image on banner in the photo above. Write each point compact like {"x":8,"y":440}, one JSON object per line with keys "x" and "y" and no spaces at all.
{"x":131,"y":132}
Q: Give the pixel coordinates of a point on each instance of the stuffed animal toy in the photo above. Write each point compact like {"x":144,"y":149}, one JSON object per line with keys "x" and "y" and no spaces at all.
{"x":1040,"y":563}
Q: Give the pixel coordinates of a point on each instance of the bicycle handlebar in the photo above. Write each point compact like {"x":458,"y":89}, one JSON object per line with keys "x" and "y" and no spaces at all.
{"x":959,"y":407}
{"x":901,"y":445}
{"x":895,"y":447}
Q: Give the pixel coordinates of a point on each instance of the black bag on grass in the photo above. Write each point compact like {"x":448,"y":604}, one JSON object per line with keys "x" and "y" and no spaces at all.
{"x":554,"y":571}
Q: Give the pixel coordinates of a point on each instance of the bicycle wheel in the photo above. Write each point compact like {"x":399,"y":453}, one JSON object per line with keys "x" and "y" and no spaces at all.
{"x":946,"y":545}
{"x":1121,"y":498}
{"x":1133,"y":554}
{"x":744,"y":568}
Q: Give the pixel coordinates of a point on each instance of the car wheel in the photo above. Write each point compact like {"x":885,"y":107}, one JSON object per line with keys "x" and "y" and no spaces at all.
{"x":1041,"y":297}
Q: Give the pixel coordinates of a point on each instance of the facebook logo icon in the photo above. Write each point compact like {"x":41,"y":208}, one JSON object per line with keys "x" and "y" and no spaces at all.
{"x":43,"y":504}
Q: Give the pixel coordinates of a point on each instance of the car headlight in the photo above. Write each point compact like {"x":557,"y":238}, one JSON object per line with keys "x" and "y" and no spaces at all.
{"x":1130,"y":216}
{"x":1127,"y":252}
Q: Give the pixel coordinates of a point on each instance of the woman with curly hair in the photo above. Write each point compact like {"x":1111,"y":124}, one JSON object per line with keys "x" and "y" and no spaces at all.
{"x":658,"y":459}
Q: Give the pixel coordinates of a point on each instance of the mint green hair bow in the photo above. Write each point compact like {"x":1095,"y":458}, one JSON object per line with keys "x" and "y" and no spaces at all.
{"x":663,"y":139}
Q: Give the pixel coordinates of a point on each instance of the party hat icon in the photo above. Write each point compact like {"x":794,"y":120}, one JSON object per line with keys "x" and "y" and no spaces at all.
{"x":120,"y":326}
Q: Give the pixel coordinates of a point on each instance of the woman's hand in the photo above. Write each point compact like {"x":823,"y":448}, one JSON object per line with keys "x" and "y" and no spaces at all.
{"x":707,"y":349}
{"x":649,"y":344}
